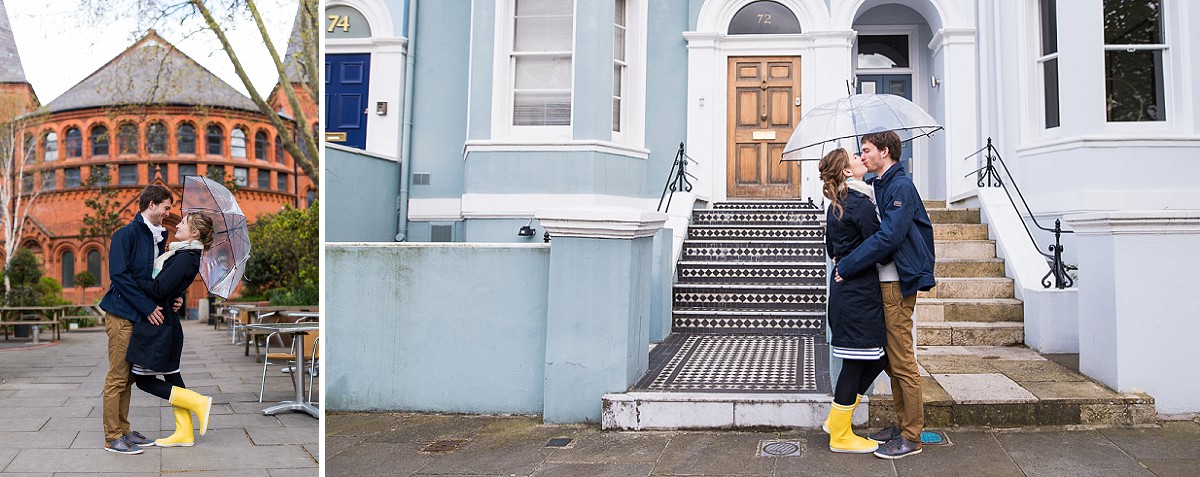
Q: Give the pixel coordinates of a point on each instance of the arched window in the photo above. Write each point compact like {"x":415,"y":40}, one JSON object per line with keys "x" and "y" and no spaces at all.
{"x":68,"y":269}
{"x":93,"y":265}
{"x":74,"y":143}
{"x":212,"y":140}
{"x":237,"y":143}
{"x":99,"y":138}
{"x":156,"y":138}
{"x":50,"y":147}
{"x":185,"y":139}
{"x":260,"y":145}
{"x":127,"y":139}
{"x":30,"y":151}
{"x":279,"y":149}
{"x":764,"y":18}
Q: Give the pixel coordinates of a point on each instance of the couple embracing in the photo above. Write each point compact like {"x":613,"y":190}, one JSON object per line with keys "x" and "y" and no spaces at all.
{"x":881,"y":242}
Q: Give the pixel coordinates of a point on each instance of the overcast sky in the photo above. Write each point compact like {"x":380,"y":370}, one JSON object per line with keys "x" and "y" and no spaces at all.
{"x":61,"y":43}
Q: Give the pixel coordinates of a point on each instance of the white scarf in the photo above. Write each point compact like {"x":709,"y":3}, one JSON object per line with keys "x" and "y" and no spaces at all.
{"x":171,"y":249}
{"x":155,"y":230}
{"x":863,"y":187}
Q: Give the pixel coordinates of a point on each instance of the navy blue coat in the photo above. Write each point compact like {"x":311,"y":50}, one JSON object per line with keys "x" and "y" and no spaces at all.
{"x":158,"y":347}
{"x":856,"y":303}
{"x":905,"y":235}
{"x":131,"y":257}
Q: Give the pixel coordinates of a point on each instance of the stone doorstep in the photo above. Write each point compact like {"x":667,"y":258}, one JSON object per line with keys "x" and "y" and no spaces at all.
{"x":970,"y":287}
{"x":964,"y":248}
{"x":954,"y":216}
{"x":970,"y":334}
{"x":935,"y":310}
{"x":675,"y":410}
{"x":960,"y":231}
{"x":968,"y":267}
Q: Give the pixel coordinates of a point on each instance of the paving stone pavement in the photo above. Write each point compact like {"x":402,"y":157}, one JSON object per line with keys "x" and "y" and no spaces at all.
{"x":391,"y":444}
{"x":50,"y":413}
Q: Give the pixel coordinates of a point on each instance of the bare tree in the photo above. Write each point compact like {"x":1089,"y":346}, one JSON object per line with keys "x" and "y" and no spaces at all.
{"x":17,"y":149}
{"x":217,"y":17}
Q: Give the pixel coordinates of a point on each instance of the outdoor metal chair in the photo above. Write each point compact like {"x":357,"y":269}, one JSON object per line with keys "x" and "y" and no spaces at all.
{"x":311,"y":341}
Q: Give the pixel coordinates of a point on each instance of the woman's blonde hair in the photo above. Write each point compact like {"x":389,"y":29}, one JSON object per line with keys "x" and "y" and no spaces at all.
{"x":202,"y":224}
{"x":832,"y":169}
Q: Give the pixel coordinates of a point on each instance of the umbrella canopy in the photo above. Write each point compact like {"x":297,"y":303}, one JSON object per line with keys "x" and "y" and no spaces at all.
{"x":841,"y":123}
{"x":224,"y":263}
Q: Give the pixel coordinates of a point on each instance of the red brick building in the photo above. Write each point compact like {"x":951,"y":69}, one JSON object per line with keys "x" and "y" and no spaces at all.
{"x":153,"y":116}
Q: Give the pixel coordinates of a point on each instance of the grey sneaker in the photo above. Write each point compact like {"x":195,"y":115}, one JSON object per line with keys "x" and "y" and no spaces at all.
{"x":898,"y":448}
{"x":122,"y":446}
{"x":886,"y":434}
{"x":136,"y":438}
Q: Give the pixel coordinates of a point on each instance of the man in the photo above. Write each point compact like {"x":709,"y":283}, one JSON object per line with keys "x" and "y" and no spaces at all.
{"x":905,"y":238}
{"x":131,"y":256}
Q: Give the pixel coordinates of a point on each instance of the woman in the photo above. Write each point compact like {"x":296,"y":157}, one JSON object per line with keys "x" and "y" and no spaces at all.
{"x":856,"y":303}
{"x":154,"y":350}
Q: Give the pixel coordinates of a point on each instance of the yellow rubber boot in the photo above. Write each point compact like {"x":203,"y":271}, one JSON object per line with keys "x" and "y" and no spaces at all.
{"x":858,"y":399}
{"x":183,"y":436}
{"x":193,"y":401}
{"x":842,"y":437}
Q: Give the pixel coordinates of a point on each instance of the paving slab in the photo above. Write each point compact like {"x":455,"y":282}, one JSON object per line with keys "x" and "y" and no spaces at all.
{"x":28,"y":424}
{"x":983,"y":388}
{"x":299,"y":472}
{"x":1174,"y":441}
{"x":1070,"y":391}
{"x":594,"y":446}
{"x":36,"y":440}
{"x":6,"y":456}
{"x":261,"y":436}
{"x":714,"y":453}
{"x":1036,"y":371}
{"x":83,"y":460}
{"x":1079,"y":453}
{"x":235,"y":458}
{"x":1005,"y":352}
{"x":370,"y":458}
{"x":594,"y":470}
{"x":816,"y":459}
{"x":957,"y":364}
{"x":335,"y":445}
{"x":507,"y":447}
{"x":977,"y":454}
{"x":1172,"y":468}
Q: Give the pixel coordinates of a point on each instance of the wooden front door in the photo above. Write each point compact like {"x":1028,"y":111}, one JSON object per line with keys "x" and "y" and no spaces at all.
{"x":764,"y":107}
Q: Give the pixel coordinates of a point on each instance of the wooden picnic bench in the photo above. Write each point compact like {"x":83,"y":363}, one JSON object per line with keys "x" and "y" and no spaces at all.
{"x":50,"y":323}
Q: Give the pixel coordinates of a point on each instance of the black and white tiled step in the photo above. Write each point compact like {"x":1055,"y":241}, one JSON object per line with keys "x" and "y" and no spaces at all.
{"x":756,"y":217}
{"x":793,"y":273}
{"x":765,"y":205}
{"x":754,"y":250}
{"x":756,"y":232}
{"x":746,"y":296}
{"x":775,"y":321}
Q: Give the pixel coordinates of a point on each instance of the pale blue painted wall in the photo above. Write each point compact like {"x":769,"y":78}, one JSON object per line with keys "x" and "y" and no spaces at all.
{"x":666,"y":85}
{"x":479,"y":348}
{"x":541,"y":172}
{"x":360,"y":195}
{"x":440,"y":99}
{"x":483,"y":25}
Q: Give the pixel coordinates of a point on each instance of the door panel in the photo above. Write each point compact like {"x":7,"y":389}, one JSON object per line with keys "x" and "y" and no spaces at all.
{"x":900,"y":85}
{"x":763,"y":111}
{"x":347,"y":78}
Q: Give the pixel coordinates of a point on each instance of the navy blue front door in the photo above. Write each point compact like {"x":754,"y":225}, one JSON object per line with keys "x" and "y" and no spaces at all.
{"x":900,"y":85}
{"x":346,"y":78}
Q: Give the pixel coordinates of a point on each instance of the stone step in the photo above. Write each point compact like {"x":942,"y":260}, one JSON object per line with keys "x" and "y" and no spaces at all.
{"x":934,"y":204}
{"x":968,"y":267}
{"x":757,"y":217}
{"x":964,"y":248}
{"x":960,"y":231}
{"x":954,"y":216}
{"x":993,"y":287}
{"x":758,"y":232}
{"x":811,"y":251}
{"x":715,"y":320}
{"x":637,"y":411}
{"x":937,"y":310}
{"x":970,"y":333}
{"x":765,"y":205}
{"x":791,"y":273}
{"x":1006,"y":387}
{"x":749,"y":296}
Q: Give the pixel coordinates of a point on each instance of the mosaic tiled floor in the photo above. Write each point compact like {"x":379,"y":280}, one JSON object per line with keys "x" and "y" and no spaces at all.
{"x":687,"y":362}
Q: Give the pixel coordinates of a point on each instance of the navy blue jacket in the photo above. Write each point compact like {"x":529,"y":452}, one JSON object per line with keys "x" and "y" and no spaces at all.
{"x":855,"y":304}
{"x":130,"y":257}
{"x":905,"y":235}
{"x":158,"y":347}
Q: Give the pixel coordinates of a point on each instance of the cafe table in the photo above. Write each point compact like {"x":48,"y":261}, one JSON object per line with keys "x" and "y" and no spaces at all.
{"x":299,"y":404}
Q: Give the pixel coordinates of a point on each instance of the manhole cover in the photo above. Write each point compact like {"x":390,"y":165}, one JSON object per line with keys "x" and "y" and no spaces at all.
{"x":443,"y":446}
{"x":560,"y":442}
{"x":934,"y":438}
{"x":779,"y":449}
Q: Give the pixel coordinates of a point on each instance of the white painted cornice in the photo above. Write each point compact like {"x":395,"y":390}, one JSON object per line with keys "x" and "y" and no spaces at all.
{"x":952,"y":36}
{"x":604,"y":222}
{"x":1136,"y":222}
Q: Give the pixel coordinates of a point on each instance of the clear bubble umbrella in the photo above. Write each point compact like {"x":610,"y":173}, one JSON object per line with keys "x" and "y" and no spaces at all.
{"x":222,"y":265}
{"x":843,"y":122}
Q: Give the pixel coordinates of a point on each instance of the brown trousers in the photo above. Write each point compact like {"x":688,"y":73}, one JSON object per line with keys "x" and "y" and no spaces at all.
{"x":119,"y":381}
{"x":902,"y":361}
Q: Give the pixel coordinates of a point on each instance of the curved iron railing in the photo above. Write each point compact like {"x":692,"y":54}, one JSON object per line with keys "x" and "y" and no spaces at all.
{"x":989,"y":176}
{"x":677,"y":179}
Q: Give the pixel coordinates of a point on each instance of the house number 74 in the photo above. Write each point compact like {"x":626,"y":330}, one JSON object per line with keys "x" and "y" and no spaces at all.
{"x":339,"y":21}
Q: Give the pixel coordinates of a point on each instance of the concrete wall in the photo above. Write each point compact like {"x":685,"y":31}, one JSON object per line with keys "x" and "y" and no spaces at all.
{"x":436,"y":327}
{"x":360,"y":195}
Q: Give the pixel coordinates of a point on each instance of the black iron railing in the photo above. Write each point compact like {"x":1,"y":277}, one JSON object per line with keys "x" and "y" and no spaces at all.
{"x":678,"y":179}
{"x":989,"y":176}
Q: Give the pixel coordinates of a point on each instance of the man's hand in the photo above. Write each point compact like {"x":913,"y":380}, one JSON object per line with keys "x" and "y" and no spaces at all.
{"x":156,"y":316}
{"x":836,"y":276}
{"x":177,"y":305}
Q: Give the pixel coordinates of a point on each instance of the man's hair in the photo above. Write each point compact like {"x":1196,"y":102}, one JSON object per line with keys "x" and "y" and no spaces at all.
{"x":885,"y":140}
{"x":153,"y":194}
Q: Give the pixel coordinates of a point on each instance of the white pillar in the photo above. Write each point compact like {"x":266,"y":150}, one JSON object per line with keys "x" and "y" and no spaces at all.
{"x":956,"y":47}
{"x":705,"y":107}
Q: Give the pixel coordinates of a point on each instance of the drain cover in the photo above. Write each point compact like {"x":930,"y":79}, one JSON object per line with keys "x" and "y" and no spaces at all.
{"x":779,"y":448}
{"x":934,"y":438}
{"x":561,"y":442}
{"x":443,"y":446}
